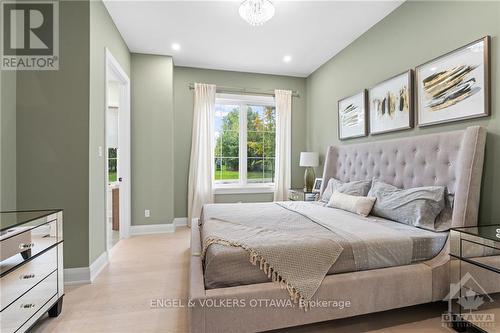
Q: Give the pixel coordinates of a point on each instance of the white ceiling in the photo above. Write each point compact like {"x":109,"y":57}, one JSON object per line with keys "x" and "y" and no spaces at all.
{"x":212,"y":34}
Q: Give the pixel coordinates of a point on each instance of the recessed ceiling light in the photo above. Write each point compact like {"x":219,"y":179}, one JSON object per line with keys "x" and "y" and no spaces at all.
{"x":176,"y":47}
{"x":287,"y":58}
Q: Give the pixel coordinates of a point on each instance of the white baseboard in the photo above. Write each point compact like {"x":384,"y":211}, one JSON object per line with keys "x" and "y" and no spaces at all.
{"x":181,"y":221}
{"x":98,"y":265}
{"x":136,"y":230}
{"x":85,"y":275}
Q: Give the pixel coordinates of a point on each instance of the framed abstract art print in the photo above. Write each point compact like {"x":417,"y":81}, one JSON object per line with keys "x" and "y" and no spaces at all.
{"x":352,"y":116}
{"x":455,"y":86}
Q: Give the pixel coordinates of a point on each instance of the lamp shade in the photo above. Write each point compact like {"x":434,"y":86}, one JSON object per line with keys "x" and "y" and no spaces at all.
{"x":309,"y":159}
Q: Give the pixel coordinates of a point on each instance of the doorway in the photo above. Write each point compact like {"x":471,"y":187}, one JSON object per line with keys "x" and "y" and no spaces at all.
{"x":117,"y":152}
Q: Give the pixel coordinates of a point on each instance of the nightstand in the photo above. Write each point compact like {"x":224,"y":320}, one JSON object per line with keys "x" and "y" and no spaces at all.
{"x":474,"y":300}
{"x":298,"y":194}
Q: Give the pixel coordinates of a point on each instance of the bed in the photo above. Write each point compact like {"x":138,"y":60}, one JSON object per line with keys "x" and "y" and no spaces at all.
{"x":228,"y":266}
{"x":410,"y":267}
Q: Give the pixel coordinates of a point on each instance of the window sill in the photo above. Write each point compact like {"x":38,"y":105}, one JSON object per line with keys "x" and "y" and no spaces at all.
{"x":238,"y":189}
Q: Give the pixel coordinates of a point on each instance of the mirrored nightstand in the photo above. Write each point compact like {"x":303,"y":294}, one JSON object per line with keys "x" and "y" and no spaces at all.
{"x":298,"y":194}
{"x":474,"y":299}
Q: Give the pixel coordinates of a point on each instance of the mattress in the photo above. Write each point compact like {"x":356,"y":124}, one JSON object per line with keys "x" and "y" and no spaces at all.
{"x":226,"y":266}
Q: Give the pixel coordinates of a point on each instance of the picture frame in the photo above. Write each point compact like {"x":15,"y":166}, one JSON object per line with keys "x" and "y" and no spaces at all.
{"x":352,"y":116}
{"x":390,"y":104}
{"x":317,"y":185}
{"x":467,"y":93}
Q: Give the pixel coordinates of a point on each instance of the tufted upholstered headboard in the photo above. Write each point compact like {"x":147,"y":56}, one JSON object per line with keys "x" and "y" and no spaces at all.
{"x":451,"y":159}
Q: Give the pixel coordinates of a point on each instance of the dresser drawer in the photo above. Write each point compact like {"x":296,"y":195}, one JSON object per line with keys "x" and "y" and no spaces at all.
{"x":16,"y":314}
{"x":20,"y":280}
{"x":15,"y":241}
{"x":30,"y":242}
{"x":43,"y":236}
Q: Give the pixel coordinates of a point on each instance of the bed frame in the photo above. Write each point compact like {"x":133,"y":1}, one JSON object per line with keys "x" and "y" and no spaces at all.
{"x":452,"y":159}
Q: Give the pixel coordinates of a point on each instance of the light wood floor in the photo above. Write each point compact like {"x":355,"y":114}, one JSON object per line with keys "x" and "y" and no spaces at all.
{"x":145,"y":268}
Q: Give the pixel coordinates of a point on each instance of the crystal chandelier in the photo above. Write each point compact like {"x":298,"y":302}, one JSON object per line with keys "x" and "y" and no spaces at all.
{"x":256,"y":12}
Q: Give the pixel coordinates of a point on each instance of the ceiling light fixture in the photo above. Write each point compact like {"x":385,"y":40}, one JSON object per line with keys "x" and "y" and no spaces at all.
{"x":176,"y":47}
{"x":287,"y":58}
{"x":256,"y":12}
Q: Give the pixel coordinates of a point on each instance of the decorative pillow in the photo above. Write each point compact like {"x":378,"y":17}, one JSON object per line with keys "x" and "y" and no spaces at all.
{"x":351,"y":203}
{"x":417,"y":206}
{"x":358,"y":188}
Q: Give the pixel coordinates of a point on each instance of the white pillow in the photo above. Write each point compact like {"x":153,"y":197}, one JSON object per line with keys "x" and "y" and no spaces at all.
{"x":351,"y":203}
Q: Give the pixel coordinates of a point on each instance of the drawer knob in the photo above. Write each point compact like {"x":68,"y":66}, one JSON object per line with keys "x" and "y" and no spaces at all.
{"x":27,"y":306}
{"x":25,"y":246}
{"x":26,"y":276}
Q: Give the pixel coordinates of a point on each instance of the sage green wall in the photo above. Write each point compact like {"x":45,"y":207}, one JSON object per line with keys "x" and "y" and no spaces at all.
{"x":8,"y":186}
{"x":60,"y":125}
{"x":183,"y":119}
{"x":103,"y":34}
{"x":53,"y":134}
{"x":413,"y":34}
{"x":152,"y":139}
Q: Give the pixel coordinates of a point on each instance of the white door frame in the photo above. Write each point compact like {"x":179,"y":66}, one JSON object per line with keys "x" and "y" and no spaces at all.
{"x":114,"y":69}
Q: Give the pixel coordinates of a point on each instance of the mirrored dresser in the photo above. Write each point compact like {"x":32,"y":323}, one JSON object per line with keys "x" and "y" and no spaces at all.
{"x":31,"y":267}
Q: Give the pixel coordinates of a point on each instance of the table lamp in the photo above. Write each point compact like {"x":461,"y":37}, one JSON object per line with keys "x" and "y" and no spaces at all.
{"x":309,"y":160}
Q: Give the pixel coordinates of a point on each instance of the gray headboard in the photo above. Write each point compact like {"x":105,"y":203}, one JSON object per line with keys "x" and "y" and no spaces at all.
{"x":451,"y":159}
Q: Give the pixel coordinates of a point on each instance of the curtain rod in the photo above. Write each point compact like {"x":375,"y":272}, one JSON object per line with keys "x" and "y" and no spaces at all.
{"x":246,"y":91}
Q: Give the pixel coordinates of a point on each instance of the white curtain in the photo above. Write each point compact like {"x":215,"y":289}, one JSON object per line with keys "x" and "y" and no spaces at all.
{"x":202,"y":161}
{"x":283,"y":167}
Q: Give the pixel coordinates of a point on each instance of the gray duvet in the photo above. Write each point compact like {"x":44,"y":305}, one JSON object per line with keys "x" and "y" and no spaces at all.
{"x":368,"y":242}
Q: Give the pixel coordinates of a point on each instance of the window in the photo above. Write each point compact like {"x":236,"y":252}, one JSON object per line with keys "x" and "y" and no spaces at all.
{"x":245,"y":140}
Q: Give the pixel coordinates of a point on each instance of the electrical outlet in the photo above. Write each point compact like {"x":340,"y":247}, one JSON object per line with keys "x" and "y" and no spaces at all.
{"x":99,"y":151}
{"x":147,"y":213}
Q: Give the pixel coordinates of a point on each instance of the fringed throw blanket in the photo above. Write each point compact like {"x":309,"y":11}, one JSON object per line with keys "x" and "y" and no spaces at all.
{"x":290,"y":257}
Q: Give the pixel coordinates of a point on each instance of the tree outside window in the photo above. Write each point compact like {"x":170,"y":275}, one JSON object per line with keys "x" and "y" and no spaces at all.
{"x":112,"y":164}
{"x":235,"y":161}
